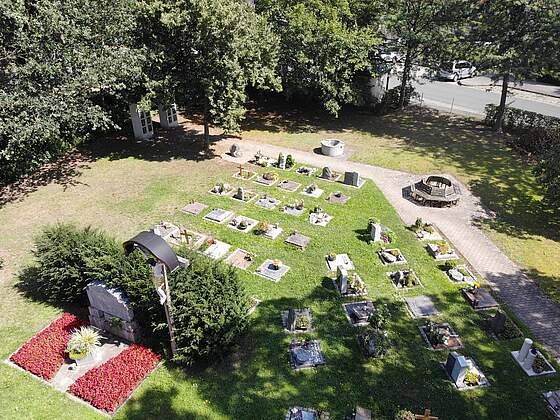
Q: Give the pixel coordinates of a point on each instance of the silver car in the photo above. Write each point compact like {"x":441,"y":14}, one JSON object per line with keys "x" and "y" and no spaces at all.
{"x":457,"y":70}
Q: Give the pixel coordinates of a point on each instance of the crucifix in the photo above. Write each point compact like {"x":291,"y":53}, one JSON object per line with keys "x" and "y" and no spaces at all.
{"x":241,"y":169}
{"x":426,"y":416}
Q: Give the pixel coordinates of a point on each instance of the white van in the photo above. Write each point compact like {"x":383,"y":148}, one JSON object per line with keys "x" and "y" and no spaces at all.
{"x":457,"y":70}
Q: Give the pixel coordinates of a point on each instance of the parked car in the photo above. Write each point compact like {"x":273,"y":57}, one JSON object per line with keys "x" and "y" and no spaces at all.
{"x":457,"y":70}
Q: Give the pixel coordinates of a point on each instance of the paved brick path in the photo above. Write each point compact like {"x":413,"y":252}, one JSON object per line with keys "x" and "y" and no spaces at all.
{"x":519,"y":292}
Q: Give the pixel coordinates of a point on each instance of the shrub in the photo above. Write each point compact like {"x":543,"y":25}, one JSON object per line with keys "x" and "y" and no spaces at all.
{"x":290,"y":161}
{"x":404,"y":415}
{"x":209,"y":309}
{"x":64,"y":255}
{"x":547,"y":172}
{"x":82,"y":342}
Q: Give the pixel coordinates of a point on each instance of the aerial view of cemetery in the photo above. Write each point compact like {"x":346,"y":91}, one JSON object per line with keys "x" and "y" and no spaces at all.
{"x":233,"y":209}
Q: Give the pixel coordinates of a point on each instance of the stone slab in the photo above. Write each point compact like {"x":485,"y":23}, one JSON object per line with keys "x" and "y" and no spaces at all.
{"x":290,"y":186}
{"x":341,"y":260}
{"x":265,"y":270}
{"x":194,"y":208}
{"x":421,"y":306}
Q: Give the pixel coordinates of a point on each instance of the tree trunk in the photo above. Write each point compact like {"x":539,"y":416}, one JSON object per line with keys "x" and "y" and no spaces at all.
{"x":206,"y":128}
{"x":405,"y":77}
{"x":499,"y":124}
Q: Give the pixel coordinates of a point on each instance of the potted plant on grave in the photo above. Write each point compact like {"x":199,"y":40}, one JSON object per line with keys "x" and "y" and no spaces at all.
{"x":331,"y":256}
{"x":387,"y":236}
{"x":302,"y":323}
{"x":471,"y":378}
{"x":276,"y":264}
{"x":437,"y":336}
{"x":242,"y":225}
{"x":410,"y":279}
{"x":262,"y":227}
{"x":375,"y":340}
{"x":270,"y":176}
{"x":299,"y":205}
{"x":290,"y":162}
{"x":539,"y":364}
{"x":443,"y":248}
{"x":83,"y":343}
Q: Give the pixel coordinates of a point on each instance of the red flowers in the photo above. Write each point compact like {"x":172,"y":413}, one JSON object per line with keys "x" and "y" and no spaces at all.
{"x":109,"y":385}
{"x":43,"y":354}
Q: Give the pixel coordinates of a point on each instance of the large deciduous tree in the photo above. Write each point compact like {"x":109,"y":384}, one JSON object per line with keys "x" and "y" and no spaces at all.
{"x":324,"y":50}
{"x":207,"y":53}
{"x":516,"y":39}
{"x":64,"y":67}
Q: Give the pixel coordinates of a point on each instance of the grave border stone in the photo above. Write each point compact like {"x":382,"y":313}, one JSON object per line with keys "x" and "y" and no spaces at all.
{"x":294,"y":185}
{"x":240,"y":250}
{"x":226,"y":220}
{"x":390,"y":274}
{"x":404,"y":261}
{"x":199,"y":208}
{"x":409,"y":300}
{"x":251,"y":223}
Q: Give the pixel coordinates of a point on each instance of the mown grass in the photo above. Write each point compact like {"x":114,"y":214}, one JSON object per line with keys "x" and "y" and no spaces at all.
{"x":257,"y":381}
{"x":421,"y":142}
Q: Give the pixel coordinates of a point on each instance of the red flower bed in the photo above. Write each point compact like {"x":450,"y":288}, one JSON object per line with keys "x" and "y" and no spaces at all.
{"x":109,"y":385}
{"x":43,"y":354}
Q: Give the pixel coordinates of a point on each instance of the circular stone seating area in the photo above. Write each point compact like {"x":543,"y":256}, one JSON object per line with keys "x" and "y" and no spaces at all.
{"x":436,"y":191}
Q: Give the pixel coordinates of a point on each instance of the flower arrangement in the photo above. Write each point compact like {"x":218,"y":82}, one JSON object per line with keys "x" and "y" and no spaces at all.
{"x":109,"y":385}
{"x":276,"y":264}
{"x":331,"y":256}
{"x":43,"y":354}
{"x":471,"y":378}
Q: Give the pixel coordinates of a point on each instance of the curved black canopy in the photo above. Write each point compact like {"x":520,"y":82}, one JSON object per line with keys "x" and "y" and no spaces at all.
{"x":150,"y":243}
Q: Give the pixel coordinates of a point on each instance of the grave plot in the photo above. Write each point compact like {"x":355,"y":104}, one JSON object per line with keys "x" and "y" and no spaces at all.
{"x":301,"y":413}
{"x":404,"y":279}
{"x":329,"y":175}
{"x":262,"y":160}
{"x":242,"y":224}
{"x":240,"y":259}
{"x":380,"y":233}
{"x":297,"y":321}
{"x":552,"y":399}
{"x":305,"y":354}
{"x":531,"y":360}
{"x":168,"y":232}
{"x":192,"y":239}
{"x":289,"y":185}
{"x":391,"y":256}
{"x":267,"y":202}
{"x":420,"y":307}
{"x":461,"y":274}
{"x":500,"y":326}
{"x":464,"y":372}
{"x":349,"y":284}
{"x":295,"y":209}
{"x":353,"y":179}
{"x":374,"y":342}
{"x":298,"y":240}
{"x":194,"y":208}
{"x":440,"y":336}
{"x":441,"y":250}
{"x":338,"y":198}
{"x":312,"y":190}
{"x":221,"y":189}
{"x":215,"y":249}
{"x":267,"y":179}
{"x":318,"y":217}
{"x":244,"y":174}
{"x":244,"y":195}
{"x":425,"y":231}
{"x":358,"y":313}
{"x":339,"y":260}
{"x":268,"y":230}
{"x":479,"y":298}
{"x":219,"y":216}
{"x":306,"y":170}
{"x":272,"y":270}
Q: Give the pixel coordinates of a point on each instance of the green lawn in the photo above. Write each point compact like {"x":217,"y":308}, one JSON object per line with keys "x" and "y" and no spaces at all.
{"x":420,"y":142}
{"x":129,"y":187}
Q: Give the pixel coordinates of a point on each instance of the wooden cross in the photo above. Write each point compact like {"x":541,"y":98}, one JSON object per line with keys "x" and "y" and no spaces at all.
{"x":426,"y":416}
{"x":241,"y":169}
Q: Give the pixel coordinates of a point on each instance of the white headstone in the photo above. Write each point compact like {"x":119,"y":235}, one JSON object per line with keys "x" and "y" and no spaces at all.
{"x":528,"y":362}
{"x":376,"y":232}
{"x":527,"y":344}
{"x":282,"y":161}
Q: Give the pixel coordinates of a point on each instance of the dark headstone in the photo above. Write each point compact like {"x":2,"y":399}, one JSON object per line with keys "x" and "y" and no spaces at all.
{"x":498,"y":322}
{"x":235,"y":150}
{"x":327,"y":173}
{"x":352,"y":178}
{"x":291,"y":324}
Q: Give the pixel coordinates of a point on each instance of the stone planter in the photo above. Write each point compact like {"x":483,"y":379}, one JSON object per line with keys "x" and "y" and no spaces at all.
{"x":332,"y":147}
{"x":93,"y":357}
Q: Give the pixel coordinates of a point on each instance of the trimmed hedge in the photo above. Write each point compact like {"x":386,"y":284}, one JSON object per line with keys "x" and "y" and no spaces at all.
{"x":209,"y":308}
{"x":535,"y":133}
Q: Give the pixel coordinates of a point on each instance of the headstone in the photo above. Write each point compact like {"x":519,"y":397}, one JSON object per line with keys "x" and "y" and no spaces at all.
{"x":235,"y":150}
{"x":342,"y":277}
{"x":498,"y":322}
{"x":456,"y":366}
{"x":109,"y":309}
{"x":327,"y":173}
{"x":376,"y":232}
{"x":352,"y":178}
{"x":531,"y":356}
{"x":240,"y":194}
{"x":282,"y":161}
{"x":522,"y":355}
{"x":291,"y":324}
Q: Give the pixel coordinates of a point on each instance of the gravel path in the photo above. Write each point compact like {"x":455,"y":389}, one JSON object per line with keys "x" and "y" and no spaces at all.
{"x":520,"y":293}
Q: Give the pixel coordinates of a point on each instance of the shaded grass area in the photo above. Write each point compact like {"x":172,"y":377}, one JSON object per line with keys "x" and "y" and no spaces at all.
{"x":125,"y":194}
{"x":422,"y":142}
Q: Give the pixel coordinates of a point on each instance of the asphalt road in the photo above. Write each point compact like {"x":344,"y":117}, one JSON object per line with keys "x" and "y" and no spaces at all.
{"x":441,"y":95}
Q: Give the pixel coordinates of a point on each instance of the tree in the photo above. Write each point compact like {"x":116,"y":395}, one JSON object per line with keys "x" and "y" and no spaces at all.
{"x":65,"y":67}
{"x":420,"y":30}
{"x":516,"y":39}
{"x":209,"y":309}
{"x":325,"y":54}
{"x":206,"y":53}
